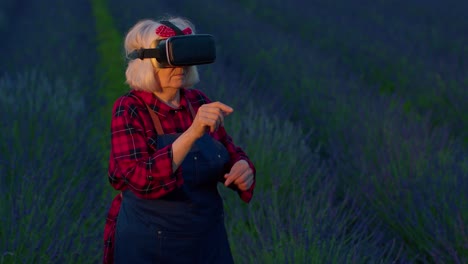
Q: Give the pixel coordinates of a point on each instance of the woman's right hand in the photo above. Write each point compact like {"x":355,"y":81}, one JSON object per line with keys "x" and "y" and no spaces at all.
{"x":208,"y":118}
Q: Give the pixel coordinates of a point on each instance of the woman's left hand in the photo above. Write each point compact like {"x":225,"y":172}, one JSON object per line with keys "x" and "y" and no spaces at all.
{"x":241,"y":175}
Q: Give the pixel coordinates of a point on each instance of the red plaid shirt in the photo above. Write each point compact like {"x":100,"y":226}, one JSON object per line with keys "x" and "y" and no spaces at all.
{"x":136,"y":163}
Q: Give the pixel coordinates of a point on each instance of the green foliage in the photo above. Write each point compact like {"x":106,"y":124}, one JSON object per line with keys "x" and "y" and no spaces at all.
{"x":110,"y":69}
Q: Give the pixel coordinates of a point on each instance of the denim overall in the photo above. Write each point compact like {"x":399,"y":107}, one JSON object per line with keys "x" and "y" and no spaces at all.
{"x":187,"y":224}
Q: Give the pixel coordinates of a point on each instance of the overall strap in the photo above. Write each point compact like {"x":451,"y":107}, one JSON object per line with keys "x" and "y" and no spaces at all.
{"x":154,"y":117}
{"x":192,"y":112}
{"x":191,"y":107}
{"x":156,"y":122}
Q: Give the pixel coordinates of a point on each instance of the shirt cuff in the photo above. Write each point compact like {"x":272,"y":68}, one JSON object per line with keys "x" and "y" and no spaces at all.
{"x":247,"y":195}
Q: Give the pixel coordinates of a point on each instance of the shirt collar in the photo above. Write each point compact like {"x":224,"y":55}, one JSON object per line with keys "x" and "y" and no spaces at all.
{"x":159,"y":106}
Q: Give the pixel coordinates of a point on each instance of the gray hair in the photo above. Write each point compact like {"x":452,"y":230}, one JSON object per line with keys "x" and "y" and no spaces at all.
{"x":141,"y":74}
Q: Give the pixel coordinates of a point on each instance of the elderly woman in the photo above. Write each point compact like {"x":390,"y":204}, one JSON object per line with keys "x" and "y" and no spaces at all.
{"x":169,"y":150}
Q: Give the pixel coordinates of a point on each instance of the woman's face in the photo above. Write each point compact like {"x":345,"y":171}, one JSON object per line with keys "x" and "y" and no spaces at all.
{"x":172,"y":77}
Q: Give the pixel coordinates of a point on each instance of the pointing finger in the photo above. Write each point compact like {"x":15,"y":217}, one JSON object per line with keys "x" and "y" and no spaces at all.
{"x":224,"y":108}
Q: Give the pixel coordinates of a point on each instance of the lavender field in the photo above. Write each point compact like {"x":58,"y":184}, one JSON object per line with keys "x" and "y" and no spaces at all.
{"x":354,"y":113}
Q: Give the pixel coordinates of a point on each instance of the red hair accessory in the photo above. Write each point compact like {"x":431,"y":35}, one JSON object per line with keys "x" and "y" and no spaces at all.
{"x":166,"y":32}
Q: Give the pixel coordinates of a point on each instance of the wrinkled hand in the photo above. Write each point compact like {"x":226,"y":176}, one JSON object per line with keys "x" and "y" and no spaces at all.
{"x":241,"y":175}
{"x":209,"y":117}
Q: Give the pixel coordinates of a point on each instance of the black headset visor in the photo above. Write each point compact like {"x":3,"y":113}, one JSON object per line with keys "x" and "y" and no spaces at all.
{"x":182,"y":50}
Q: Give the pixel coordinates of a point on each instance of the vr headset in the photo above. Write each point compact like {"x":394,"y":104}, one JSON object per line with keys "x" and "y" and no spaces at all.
{"x":179,"y":50}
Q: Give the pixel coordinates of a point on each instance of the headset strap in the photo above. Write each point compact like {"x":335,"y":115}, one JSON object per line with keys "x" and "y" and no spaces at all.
{"x":191,"y":109}
{"x":143,"y":53}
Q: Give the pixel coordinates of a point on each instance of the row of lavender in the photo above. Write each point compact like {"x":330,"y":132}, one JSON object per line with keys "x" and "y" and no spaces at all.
{"x":417,"y":50}
{"x":298,"y":214}
{"x":407,"y":174}
{"x":416,"y":53}
{"x":51,"y":180}
{"x":51,"y":177}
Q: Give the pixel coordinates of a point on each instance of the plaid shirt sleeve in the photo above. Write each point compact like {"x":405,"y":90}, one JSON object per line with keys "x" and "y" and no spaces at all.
{"x":131,"y":165}
{"x":236,"y":153}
